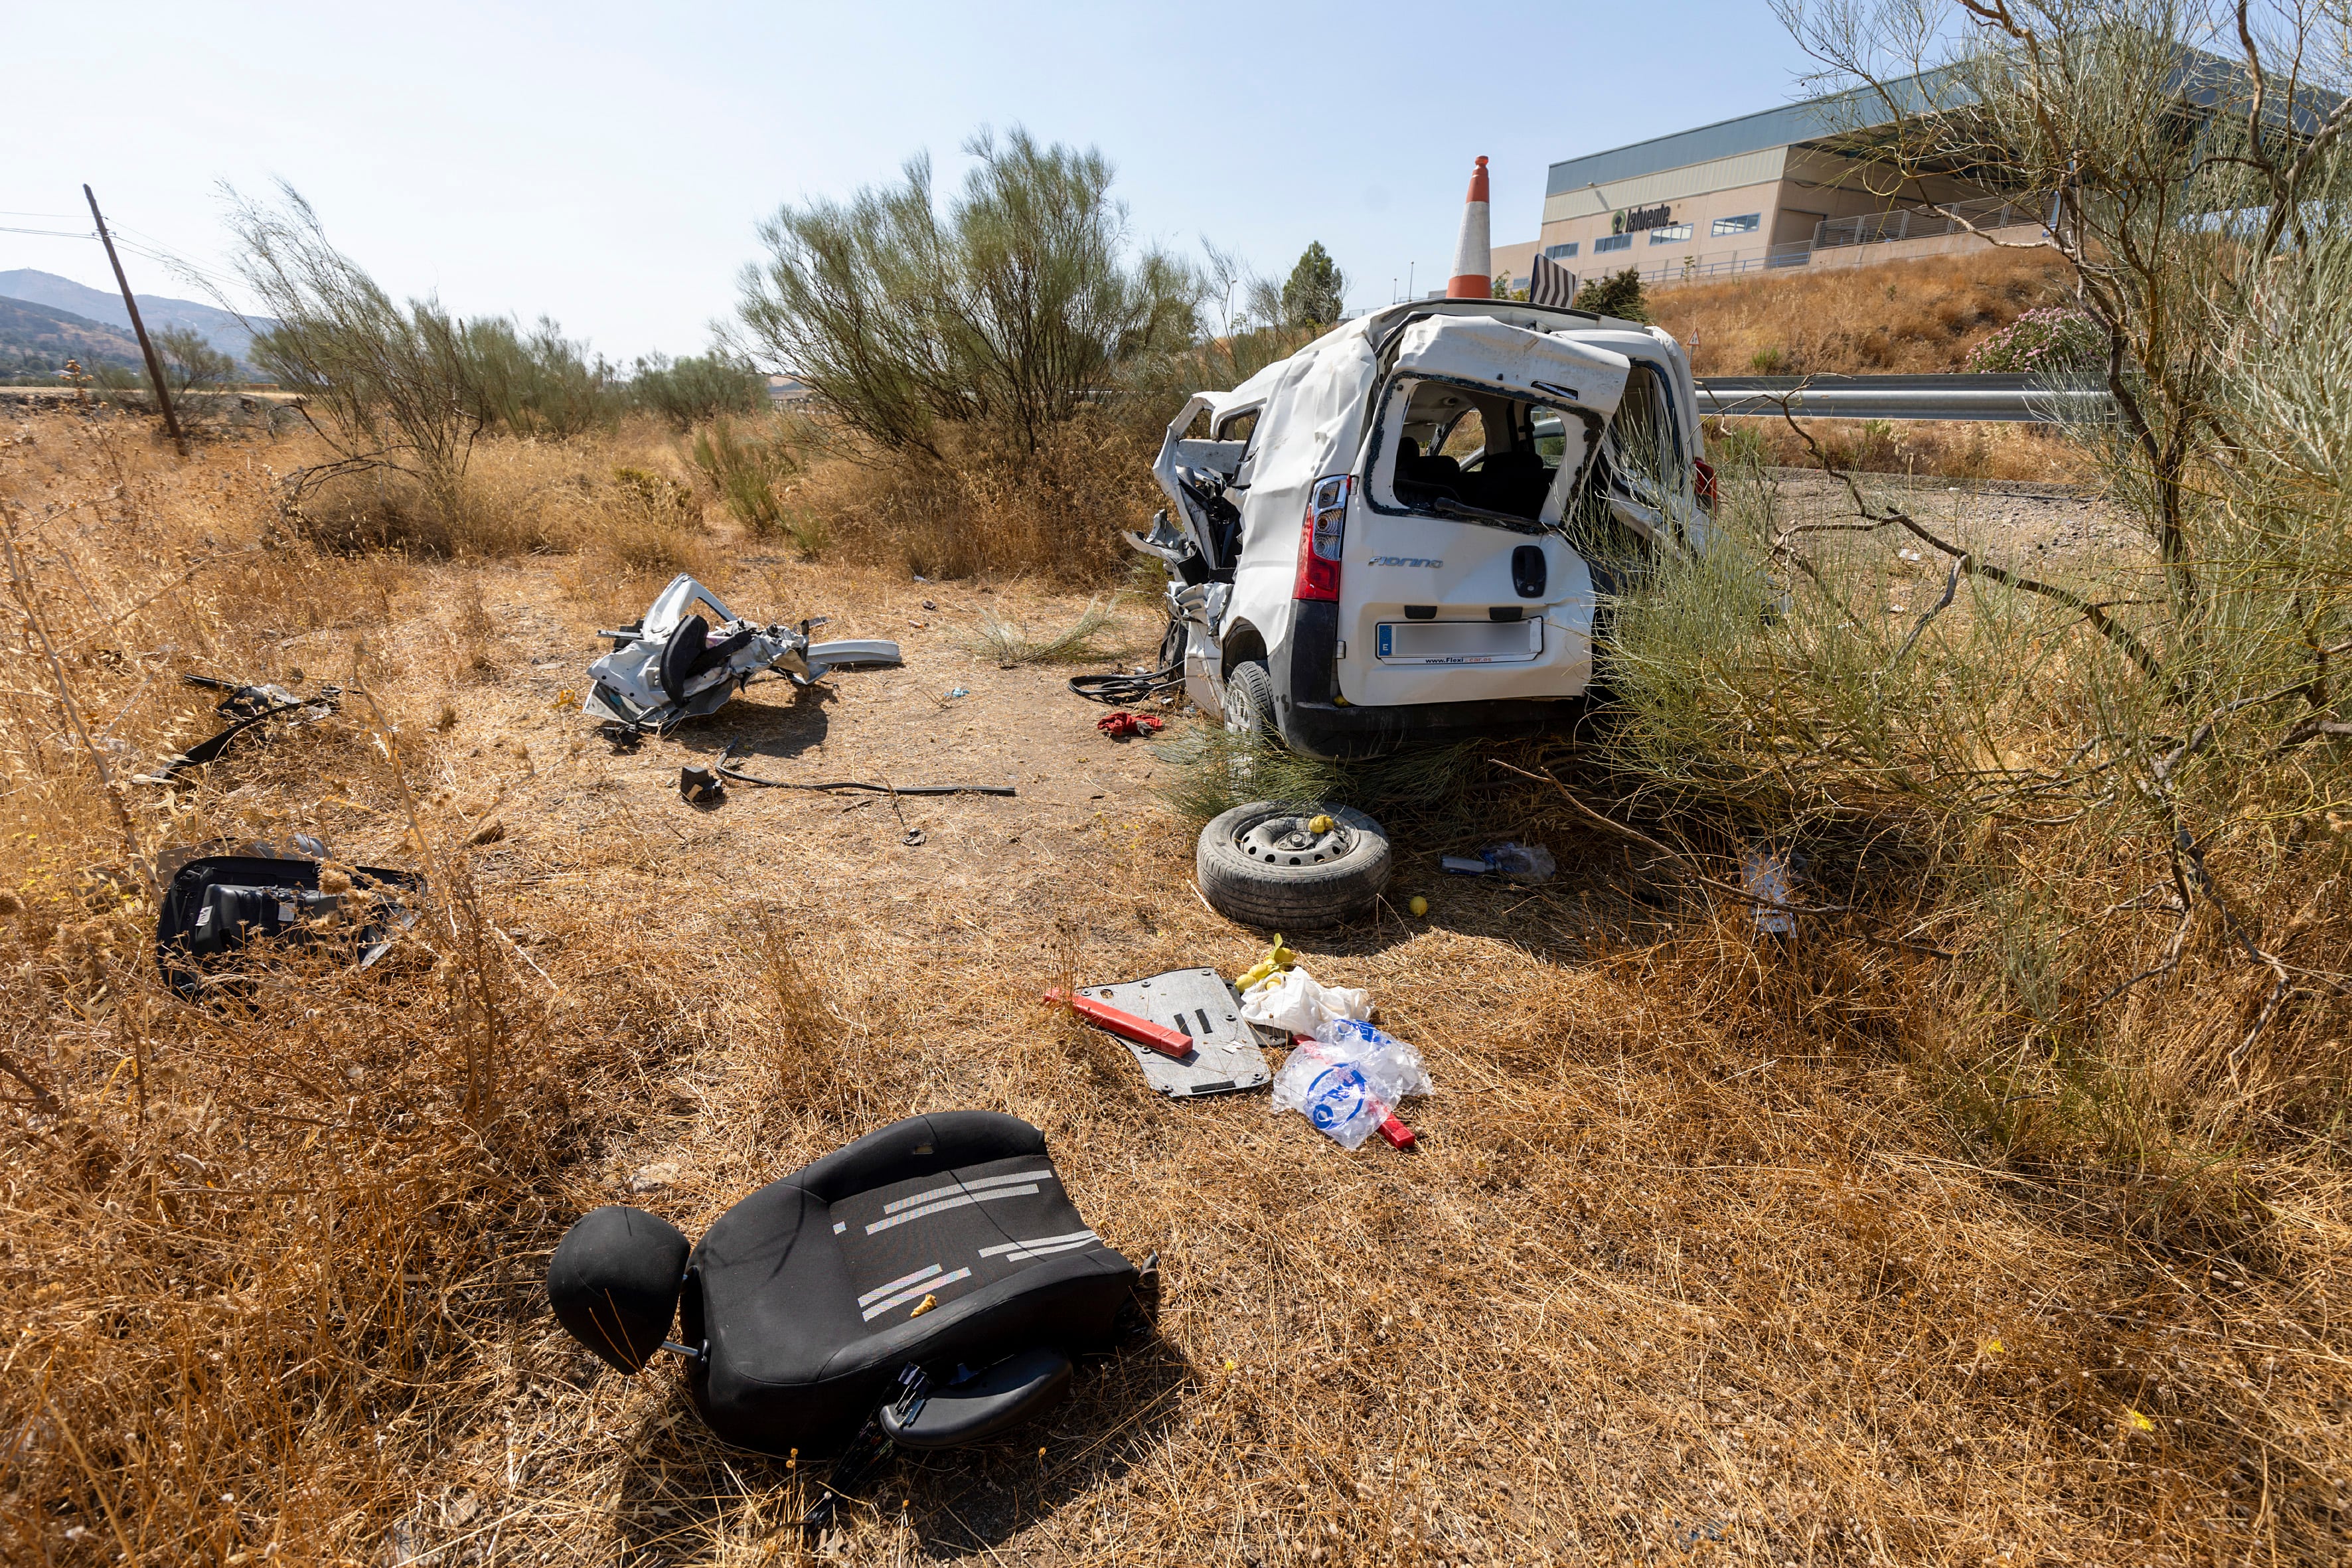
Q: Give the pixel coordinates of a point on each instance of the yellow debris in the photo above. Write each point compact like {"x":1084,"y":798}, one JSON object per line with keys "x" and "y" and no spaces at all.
{"x":925,"y":1305}
{"x":1319,"y":824}
{"x":1276,"y":957}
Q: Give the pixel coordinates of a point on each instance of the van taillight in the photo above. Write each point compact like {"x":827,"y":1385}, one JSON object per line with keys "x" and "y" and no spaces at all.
{"x":1702,"y":482}
{"x":1319,"y":538}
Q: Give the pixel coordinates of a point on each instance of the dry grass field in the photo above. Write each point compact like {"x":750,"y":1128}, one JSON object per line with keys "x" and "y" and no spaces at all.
{"x":1896,"y":317}
{"x":1697,"y":1261}
{"x":1923,"y":316}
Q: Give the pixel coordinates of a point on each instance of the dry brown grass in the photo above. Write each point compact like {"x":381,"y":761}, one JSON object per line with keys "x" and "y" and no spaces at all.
{"x":988,"y":509}
{"x":628,"y":495}
{"x":1708,"y":1253}
{"x":1917,"y":316}
{"x":1954,"y":450}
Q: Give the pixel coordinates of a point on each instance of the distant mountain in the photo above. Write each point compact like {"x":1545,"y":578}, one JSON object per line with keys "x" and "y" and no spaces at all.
{"x":220,"y":328}
{"x":39,"y":339}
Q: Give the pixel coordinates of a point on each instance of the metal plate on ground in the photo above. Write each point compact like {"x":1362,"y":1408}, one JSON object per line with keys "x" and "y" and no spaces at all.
{"x":1225,"y":1057}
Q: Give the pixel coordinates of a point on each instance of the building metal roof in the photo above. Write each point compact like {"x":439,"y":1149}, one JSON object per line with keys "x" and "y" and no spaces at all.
{"x":2200,"y":80}
{"x":1807,"y":120}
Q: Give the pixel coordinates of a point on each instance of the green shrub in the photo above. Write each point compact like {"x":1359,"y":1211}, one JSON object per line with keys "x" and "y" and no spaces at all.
{"x":539,"y":382}
{"x":698,"y":388}
{"x":746,"y":469}
{"x":1011,"y":311}
{"x":1617,"y":294}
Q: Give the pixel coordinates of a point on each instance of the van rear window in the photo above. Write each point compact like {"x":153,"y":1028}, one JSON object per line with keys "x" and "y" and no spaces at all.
{"x":1482,"y":457}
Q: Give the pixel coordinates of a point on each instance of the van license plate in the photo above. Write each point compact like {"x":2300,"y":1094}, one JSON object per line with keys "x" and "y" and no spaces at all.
{"x":1460,"y":642}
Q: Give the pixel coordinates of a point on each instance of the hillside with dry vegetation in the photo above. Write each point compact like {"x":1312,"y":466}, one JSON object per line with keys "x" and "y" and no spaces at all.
{"x":1923,"y":316}
{"x":1831,"y":319}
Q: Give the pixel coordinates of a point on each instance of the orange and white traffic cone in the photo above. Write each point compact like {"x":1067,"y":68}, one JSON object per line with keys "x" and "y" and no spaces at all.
{"x":1473,"y":277}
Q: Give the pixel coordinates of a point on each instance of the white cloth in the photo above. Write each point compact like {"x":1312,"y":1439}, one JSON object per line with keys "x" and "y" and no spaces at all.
{"x":1295,"y":1000}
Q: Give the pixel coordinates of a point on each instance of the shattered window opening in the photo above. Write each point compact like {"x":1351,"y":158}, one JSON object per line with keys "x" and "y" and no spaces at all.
{"x":1473,"y":454}
{"x":1639,"y":488}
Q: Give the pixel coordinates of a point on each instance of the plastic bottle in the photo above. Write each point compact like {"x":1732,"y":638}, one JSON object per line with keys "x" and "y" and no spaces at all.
{"x":1346,"y":1078}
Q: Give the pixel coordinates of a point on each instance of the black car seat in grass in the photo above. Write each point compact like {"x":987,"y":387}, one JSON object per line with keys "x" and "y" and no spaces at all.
{"x":944,"y":1242}
{"x":214,"y":906}
{"x":690,"y":652}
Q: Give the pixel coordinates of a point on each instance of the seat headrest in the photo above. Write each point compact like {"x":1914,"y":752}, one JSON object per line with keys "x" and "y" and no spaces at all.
{"x":614,"y":1282}
{"x":686,"y":641}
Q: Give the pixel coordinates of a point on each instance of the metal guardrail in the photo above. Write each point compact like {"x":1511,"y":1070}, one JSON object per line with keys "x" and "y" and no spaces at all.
{"x":2012,"y":399}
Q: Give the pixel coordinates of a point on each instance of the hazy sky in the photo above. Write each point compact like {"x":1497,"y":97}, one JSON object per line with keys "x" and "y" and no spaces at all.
{"x":606,"y":165}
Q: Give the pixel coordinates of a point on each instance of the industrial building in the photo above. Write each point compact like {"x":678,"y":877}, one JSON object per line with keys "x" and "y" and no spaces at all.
{"x":1791,"y":186}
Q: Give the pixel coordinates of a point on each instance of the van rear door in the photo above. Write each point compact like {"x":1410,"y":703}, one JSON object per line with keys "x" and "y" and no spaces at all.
{"x":1457,"y":585}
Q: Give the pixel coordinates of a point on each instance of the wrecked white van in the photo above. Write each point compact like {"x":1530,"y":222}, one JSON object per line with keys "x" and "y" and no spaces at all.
{"x":1407,"y":530}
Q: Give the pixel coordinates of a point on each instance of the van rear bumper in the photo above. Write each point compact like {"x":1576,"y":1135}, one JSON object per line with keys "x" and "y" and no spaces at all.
{"x":1339,"y":734}
{"x":1313,"y":724}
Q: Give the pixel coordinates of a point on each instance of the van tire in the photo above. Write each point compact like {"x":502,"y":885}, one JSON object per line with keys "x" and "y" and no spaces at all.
{"x":1249,"y":701}
{"x":1276,"y":892}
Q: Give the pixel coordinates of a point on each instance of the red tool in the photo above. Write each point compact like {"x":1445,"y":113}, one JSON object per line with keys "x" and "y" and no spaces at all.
{"x":1399,"y":1135}
{"x":1123,"y":724}
{"x":1167,"y":1042}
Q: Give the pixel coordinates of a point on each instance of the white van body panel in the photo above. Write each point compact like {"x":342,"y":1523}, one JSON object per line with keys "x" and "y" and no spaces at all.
{"x":1312,"y":424}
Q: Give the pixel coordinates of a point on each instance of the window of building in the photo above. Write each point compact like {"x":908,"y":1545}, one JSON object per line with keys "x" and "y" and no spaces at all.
{"x":1612,"y":242}
{"x":1557,"y":251}
{"x":1670,"y":234}
{"x":1747,"y":223}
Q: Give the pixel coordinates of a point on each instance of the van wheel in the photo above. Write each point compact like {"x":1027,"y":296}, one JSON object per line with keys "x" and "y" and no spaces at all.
{"x":1249,"y":700}
{"x":1267,"y":865}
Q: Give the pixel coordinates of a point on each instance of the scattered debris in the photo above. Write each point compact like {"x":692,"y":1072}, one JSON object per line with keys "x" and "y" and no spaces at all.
{"x":1185,"y":1027}
{"x":1167,"y":1042}
{"x":1163,"y":684}
{"x":701,"y":787}
{"x":1416,"y":906}
{"x":1124,"y":725}
{"x":953,"y":695}
{"x":678,"y":663}
{"x":1528,"y":863}
{"x":213,"y":906}
{"x":1769,"y":872}
{"x":1296,"y":1003}
{"x":1278,"y":957}
{"x":831,"y":786}
{"x":1348,"y":1078}
{"x":246,"y":707}
{"x":657,"y":1177}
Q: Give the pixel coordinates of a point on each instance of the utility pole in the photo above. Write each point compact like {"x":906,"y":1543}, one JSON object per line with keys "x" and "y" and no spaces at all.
{"x":154,"y":366}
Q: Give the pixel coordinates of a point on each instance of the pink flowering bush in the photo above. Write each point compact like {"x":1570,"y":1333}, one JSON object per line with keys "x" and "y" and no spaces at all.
{"x":2058,"y":339}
